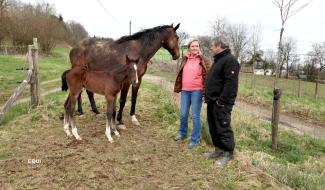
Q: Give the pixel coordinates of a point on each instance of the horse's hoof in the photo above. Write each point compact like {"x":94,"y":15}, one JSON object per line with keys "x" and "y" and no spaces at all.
{"x":111,"y":140}
{"x":136,"y":123}
{"x":79,"y":138}
{"x":95,"y":111}
{"x":134,"y":120}
{"x":69,"y":134}
{"x":121,"y":127}
{"x":79,"y":113}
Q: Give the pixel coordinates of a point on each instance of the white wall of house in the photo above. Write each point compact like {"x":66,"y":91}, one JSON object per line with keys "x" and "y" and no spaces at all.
{"x":261,"y":72}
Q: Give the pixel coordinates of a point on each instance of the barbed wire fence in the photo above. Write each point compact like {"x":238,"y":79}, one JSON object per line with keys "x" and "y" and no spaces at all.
{"x":32,"y":78}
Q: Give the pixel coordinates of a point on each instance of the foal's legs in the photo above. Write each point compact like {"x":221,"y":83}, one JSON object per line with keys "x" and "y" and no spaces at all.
{"x":109,"y":121}
{"x":79,"y":110}
{"x":69,"y":106}
{"x":92,"y":102}
{"x":66,"y":123}
{"x":113,"y":119}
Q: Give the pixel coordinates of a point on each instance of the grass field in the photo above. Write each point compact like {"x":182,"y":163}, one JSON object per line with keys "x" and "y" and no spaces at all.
{"x":146,"y":157}
{"x":306,"y":106}
{"x":51,"y":67}
{"x":163,"y":54}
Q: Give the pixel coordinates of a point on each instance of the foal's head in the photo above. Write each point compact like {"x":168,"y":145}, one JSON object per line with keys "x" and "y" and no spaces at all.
{"x":132,"y":65}
{"x":171,"y":43}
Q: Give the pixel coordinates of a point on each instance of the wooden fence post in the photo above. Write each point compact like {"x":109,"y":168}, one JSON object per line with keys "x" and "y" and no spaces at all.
{"x":275,"y":117}
{"x":34,"y":83}
{"x":299,"y":82}
{"x":317,"y":84}
{"x":299,"y":87}
{"x":19,"y":90}
{"x":253,"y":82}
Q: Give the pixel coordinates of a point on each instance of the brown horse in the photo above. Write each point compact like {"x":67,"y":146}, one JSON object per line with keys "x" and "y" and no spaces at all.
{"x":107,"y":83}
{"x":99,"y":54}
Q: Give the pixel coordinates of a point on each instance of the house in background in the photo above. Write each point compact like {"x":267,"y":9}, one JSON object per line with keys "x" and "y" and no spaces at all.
{"x":267,"y":72}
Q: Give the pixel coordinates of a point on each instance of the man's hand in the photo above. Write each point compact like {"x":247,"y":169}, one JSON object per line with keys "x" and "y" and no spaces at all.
{"x":219,"y":104}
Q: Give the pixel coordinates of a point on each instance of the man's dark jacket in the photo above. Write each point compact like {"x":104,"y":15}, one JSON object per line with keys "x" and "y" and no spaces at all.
{"x":222,"y":79}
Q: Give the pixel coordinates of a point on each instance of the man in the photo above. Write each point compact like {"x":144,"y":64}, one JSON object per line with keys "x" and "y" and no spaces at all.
{"x":221,"y":92}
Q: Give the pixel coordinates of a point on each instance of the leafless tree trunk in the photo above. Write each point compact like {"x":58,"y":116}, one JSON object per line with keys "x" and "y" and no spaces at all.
{"x":299,"y":82}
{"x":254,"y":44}
{"x":287,"y":9}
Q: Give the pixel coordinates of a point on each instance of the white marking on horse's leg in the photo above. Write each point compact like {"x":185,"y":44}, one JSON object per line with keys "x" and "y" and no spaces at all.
{"x":66,"y":126}
{"x":108,"y":132}
{"x":74,"y":130}
{"x":136,"y":73}
{"x":134,"y":120}
{"x":115,"y":130}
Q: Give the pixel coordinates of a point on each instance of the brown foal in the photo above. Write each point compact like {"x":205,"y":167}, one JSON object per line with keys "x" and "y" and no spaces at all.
{"x":107,"y":83}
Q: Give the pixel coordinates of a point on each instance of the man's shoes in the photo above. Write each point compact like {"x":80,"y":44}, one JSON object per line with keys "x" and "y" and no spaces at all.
{"x":179,"y":138}
{"x":224,"y":159}
{"x":192,"y":145}
{"x":214,"y":154}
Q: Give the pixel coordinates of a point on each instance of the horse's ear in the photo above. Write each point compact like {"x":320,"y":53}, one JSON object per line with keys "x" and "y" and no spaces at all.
{"x":172,"y":25}
{"x":177,"y":26}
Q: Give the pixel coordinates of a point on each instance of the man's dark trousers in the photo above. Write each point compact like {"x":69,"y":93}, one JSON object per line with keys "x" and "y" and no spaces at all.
{"x":219,"y":119}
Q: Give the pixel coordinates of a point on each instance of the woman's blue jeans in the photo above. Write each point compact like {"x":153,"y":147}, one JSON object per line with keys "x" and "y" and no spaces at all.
{"x":189,"y":98}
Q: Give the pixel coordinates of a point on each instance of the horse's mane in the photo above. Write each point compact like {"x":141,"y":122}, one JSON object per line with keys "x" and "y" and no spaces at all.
{"x":149,"y":34}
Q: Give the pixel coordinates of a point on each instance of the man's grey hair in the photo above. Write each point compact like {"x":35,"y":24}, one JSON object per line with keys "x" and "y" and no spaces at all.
{"x":221,"y":41}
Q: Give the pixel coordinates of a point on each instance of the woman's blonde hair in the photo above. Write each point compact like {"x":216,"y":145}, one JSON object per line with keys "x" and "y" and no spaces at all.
{"x":191,"y":41}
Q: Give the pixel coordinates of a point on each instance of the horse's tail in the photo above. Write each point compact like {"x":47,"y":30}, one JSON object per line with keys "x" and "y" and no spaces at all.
{"x":64,"y":80}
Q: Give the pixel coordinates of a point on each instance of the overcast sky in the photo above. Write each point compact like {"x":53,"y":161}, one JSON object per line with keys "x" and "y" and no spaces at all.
{"x":307,"y":26}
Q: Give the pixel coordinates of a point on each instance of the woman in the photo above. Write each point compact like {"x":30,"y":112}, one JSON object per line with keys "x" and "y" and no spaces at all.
{"x":190,"y":82}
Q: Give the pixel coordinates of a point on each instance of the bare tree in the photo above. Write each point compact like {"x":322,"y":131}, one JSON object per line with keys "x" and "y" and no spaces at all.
{"x":318,"y":56}
{"x":235,"y":34}
{"x":28,"y":21}
{"x":287,"y":8}
{"x":3,"y":19}
{"x":238,"y":38}
{"x":288,"y":56}
{"x":205,"y":43}
{"x":309,"y":66}
{"x":75,"y":32}
{"x":183,"y":36}
{"x":254,"y":46}
{"x":219,"y":27}
{"x":269,"y":61}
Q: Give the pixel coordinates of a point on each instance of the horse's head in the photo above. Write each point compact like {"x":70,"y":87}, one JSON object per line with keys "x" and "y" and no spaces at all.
{"x":132,"y":64}
{"x":171,"y":41}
